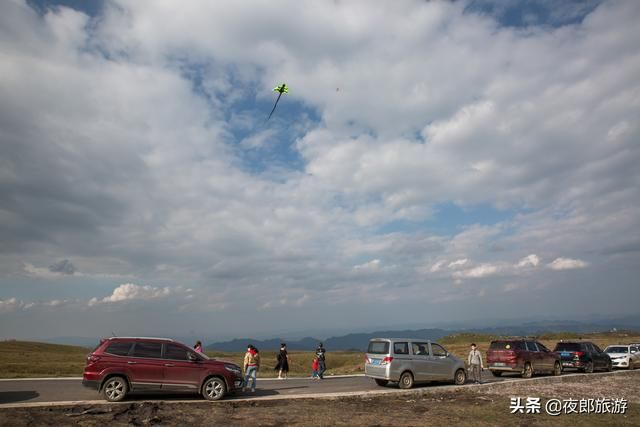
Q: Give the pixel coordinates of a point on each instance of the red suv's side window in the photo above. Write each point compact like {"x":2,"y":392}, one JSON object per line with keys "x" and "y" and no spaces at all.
{"x":151,"y":350}
{"x":176,"y":352}
{"x":119,"y":348}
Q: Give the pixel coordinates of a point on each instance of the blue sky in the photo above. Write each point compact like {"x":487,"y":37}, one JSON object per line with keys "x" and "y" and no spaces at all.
{"x":440,"y":162}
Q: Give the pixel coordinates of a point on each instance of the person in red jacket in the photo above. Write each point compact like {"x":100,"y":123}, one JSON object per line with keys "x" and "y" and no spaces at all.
{"x":314,"y":367}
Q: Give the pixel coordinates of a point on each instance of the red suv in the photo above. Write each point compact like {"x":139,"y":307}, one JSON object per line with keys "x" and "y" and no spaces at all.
{"x":522,"y":355}
{"x":122,"y":365}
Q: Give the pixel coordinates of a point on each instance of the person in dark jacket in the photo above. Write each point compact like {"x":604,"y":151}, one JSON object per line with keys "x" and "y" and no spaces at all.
{"x":283,"y":362}
{"x":322,"y":364}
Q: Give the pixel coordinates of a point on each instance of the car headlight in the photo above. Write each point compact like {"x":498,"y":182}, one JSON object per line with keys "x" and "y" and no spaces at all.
{"x":233,"y":368}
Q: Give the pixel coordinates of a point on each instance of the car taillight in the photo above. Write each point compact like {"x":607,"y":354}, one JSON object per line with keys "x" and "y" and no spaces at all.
{"x":386,"y":360}
{"x":511,"y":355}
{"x":92,"y":358}
{"x":578,"y":353}
{"x":366,"y":359}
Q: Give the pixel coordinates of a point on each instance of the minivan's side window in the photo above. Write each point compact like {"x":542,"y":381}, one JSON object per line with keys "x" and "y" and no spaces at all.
{"x":176,"y":352}
{"x":401,"y":348}
{"x":119,"y":348}
{"x":420,"y":348}
{"x":438,"y":350}
{"x":531,"y":346}
{"x":147,"y":349}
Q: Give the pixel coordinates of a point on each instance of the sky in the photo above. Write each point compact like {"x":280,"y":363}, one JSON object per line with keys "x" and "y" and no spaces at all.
{"x":433,"y":162}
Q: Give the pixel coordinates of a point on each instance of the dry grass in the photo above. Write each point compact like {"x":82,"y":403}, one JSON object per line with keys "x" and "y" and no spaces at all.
{"x":21,"y":359}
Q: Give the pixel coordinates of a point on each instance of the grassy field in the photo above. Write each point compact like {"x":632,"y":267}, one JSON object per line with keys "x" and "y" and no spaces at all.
{"x":19,"y":359}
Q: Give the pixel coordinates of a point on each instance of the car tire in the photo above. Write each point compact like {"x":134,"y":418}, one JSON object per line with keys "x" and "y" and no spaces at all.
{"x":406,"y":380}
{"x":589,"y":368}
{"x":115,"y":389}
{"x":557,"y":369}
{"x":497,"y":373}
{"x":460,"y":377}
{"x":214,"y":389}
{"x":381,"y":383}
{"x":610,"y":367}
{"x":527,"y":372}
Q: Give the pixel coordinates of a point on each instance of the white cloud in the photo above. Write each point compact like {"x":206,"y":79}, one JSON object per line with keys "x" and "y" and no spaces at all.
{"x":374,"y":264}
{"x":484,"y":270}
{"x":567,"y":264}
{"x":10,"y":305}
{"x":164,"y":172}
{"x":529,"y":261}
{"x":458,"y":263}
{"x":436,"y":267}
{"x":131,"y":291}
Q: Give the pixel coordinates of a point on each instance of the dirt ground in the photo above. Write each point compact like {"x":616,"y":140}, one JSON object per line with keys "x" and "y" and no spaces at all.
{"x":487,"y":405}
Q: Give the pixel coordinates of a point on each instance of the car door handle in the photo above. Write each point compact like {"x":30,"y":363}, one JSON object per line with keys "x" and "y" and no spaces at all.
{"x":131,"y":363}
{"x":168,"y":365}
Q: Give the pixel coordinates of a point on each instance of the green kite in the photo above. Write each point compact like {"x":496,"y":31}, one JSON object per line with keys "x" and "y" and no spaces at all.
{"x":283,"y":88}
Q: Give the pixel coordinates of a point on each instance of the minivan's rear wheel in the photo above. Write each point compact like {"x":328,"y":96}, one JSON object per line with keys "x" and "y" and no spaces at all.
{"x":527,"y":372}
{"x":589,"y":368}
{"x":557,"y":369}
{"x":406,"y":380}
{"x":460,"y":377}
{"x":214,"y":389}
{"x":115,"y":389}
{"x":381,"y":382}
{"x":497,"y":373}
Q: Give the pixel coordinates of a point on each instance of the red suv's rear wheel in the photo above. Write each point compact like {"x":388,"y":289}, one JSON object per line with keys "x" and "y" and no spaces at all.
{"x":527,"y":372}
{"x":115,"y":389}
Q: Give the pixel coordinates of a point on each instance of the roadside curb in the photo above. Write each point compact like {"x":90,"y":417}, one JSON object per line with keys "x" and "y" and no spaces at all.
{"x":323,"y":396}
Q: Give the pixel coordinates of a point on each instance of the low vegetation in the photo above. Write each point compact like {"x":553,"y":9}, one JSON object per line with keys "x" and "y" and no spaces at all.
{"x":19,"y":359}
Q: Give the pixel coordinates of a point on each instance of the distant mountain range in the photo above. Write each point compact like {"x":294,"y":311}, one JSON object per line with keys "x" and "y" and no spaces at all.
{"x":359,"y":341}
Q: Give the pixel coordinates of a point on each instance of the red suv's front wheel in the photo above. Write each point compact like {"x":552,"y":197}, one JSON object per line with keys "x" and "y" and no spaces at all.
{"x":214,"y":389}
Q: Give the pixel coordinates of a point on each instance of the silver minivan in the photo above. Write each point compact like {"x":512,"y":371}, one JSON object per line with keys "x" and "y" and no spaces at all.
{"x":411,"y":360}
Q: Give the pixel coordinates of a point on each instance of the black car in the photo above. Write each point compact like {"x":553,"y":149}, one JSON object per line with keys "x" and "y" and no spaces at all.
{"x":584,"y":356}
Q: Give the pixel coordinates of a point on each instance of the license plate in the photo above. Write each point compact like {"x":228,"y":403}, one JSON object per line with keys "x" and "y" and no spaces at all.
{"x":375,"y":361}
{"x":565,"y":354}
{"x":498,"y":364}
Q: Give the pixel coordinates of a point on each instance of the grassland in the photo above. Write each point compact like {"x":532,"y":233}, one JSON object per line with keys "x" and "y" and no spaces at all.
{"x":19,"y":359}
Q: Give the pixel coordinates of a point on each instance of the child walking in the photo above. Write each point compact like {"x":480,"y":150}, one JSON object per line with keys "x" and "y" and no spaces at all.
{"x":314,"y":367}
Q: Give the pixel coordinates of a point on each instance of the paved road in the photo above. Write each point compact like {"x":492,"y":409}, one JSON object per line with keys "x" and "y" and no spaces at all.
{"x":62,"y":390}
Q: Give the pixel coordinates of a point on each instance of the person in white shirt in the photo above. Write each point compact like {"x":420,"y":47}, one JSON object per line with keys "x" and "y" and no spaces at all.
{"x":475,"y":363}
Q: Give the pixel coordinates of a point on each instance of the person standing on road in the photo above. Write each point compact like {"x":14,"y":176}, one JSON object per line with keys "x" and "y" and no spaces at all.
{"x":283,"y":362}
{"x":322,"y":364}
{"x":475,"y":363}
{"x":198,"y":347}
{"x":251,"y":367}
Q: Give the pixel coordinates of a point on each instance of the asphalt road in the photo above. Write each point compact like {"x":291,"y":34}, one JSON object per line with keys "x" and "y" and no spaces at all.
{"x":64,"y":390}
